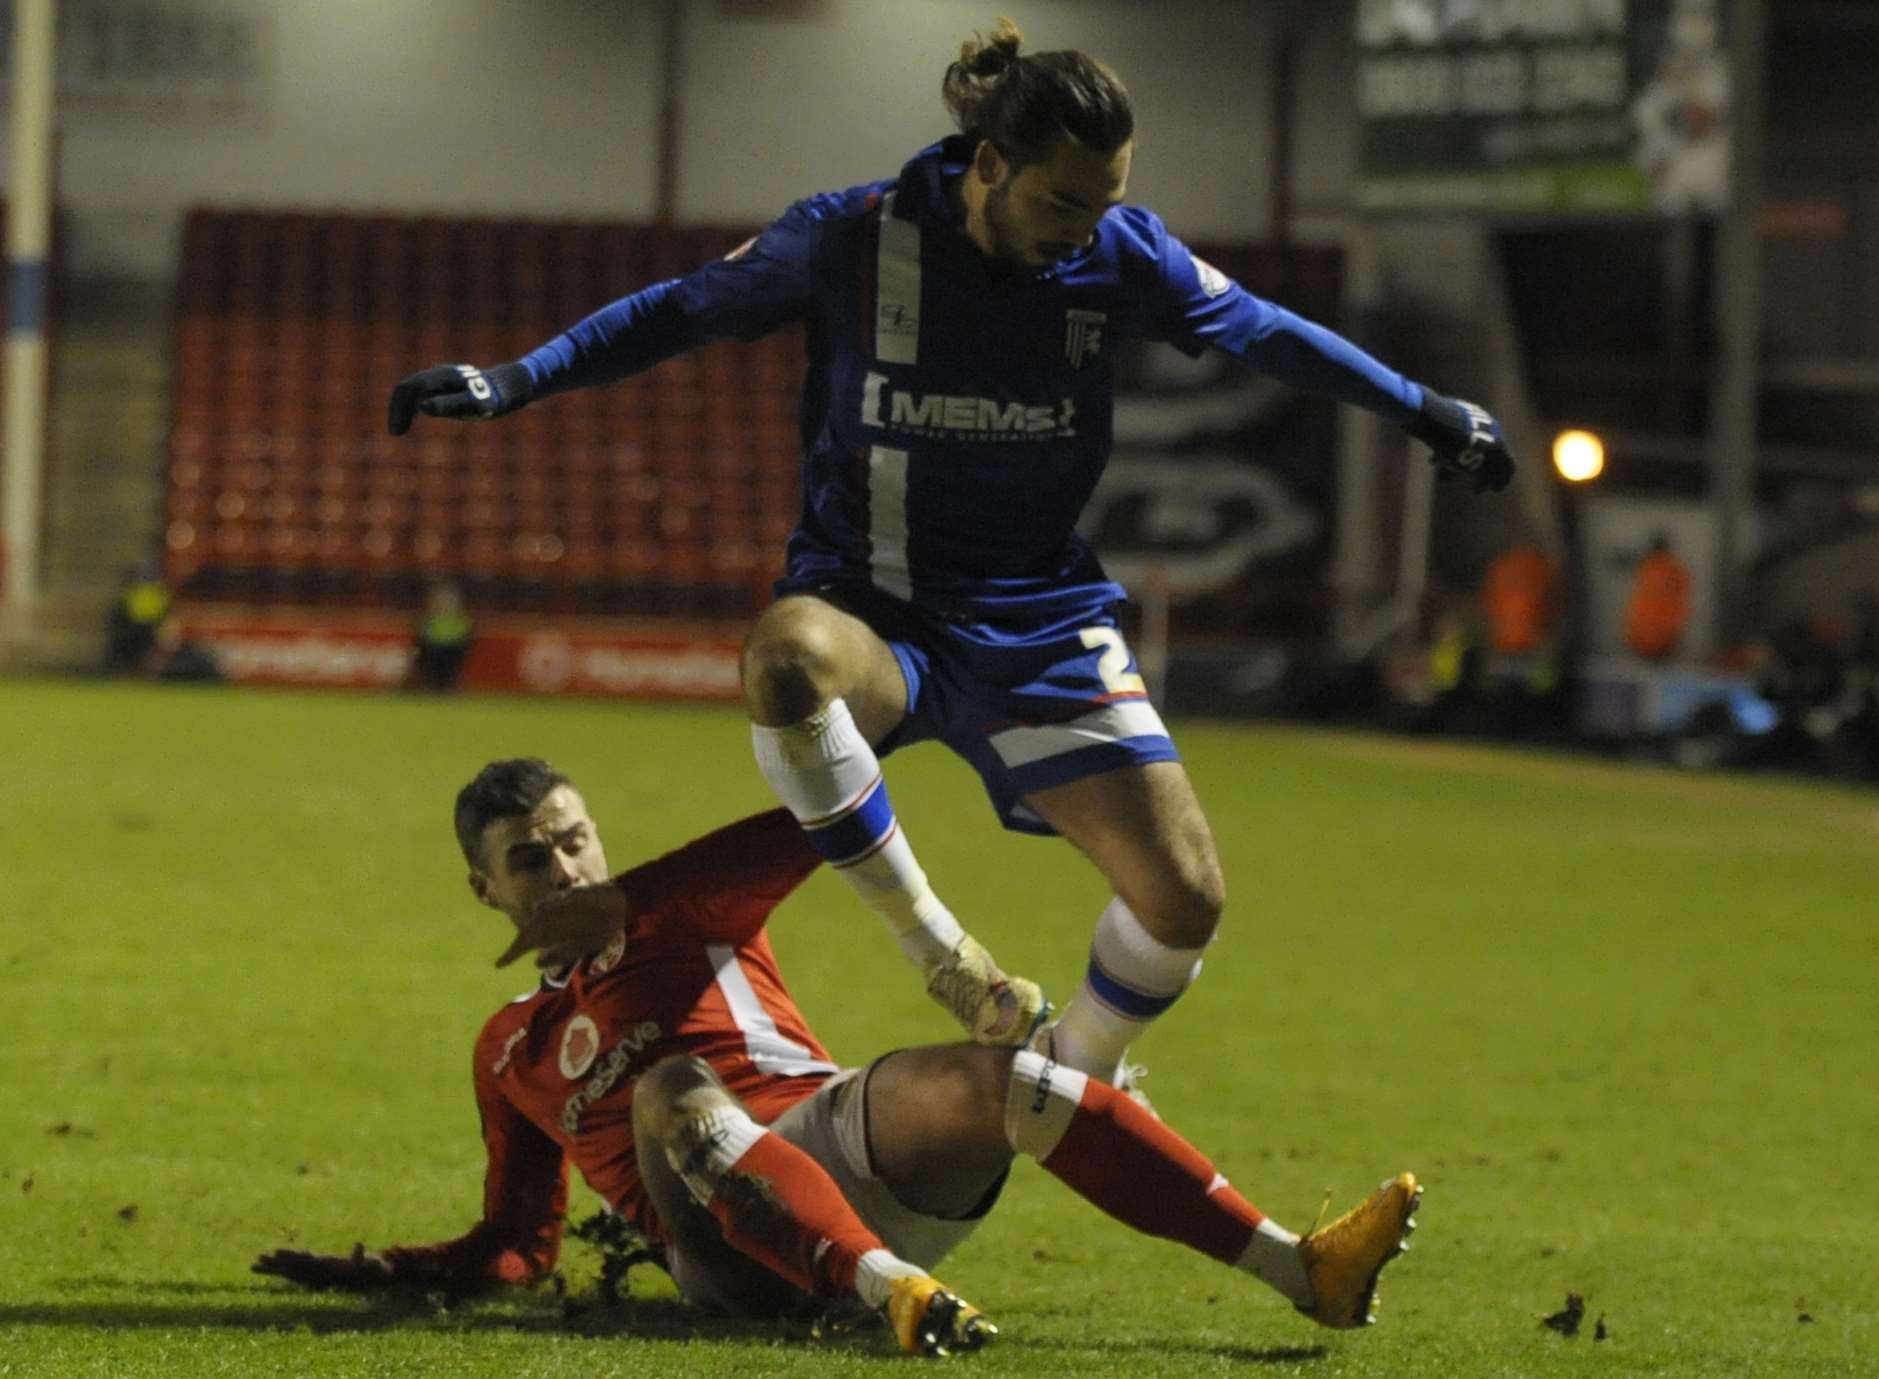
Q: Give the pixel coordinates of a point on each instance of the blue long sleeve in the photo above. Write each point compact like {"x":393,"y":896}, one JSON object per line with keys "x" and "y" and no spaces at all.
{"x":620,"y":339}
{"x":750,"y":292}
{"x":1308,"y":356}
{"x":1203,"y":307}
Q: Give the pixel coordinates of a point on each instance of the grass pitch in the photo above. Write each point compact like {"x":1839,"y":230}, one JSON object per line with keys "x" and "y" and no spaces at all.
{"x":1622,"y":1021}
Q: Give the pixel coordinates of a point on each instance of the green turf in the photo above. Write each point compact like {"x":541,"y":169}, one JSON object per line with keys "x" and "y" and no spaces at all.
{"x":1623,"y":1021}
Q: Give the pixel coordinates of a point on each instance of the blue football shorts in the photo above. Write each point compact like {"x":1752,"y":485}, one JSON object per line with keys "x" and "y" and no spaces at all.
{"x":1029,"y":706}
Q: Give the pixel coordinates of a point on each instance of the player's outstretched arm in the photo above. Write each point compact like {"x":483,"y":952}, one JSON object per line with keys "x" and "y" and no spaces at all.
{"x":362,"y":1271}
{"x":754,"y":289}
{"x":1201,"y":307}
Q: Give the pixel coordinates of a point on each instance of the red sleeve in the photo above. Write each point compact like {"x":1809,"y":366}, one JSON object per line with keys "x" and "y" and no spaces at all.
{"x":525,"y":1196}
{"x":726,"y":884}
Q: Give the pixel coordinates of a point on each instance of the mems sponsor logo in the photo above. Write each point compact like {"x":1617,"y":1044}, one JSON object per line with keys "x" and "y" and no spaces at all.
{"x":950,"y":416}
{"x":607,"y":1073}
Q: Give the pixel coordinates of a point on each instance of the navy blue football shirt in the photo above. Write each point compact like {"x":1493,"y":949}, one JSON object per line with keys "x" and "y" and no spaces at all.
{"x":957,"y":410}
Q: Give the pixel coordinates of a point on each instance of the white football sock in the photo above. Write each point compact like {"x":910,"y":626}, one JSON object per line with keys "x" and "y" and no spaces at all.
{"x":1132,"y":977}
{"x":827,"y":775}
{"x":1040,"y":1102}
{"x":1272,"y":1255}
{"x":875,"y":1273}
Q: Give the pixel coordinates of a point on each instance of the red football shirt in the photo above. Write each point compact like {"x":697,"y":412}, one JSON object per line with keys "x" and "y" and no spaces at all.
{"x":555,"y":1070}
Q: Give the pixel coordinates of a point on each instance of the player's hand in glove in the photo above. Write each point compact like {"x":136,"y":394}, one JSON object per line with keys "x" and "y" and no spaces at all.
{"x":359,"y":1272}
{"x":460,"y":391}
{"x":1464,"y":439}
{"x":570,"y":925}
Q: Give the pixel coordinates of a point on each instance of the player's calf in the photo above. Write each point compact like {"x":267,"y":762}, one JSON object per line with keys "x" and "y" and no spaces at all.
{"x":1132,"y":978}
{"x":1144,"y":829}
{"x":778,"y":1206}
{"x":1123,"y":1160}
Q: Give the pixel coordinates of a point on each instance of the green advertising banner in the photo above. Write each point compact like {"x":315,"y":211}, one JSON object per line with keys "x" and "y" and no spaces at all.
{"x":1543,"y":105}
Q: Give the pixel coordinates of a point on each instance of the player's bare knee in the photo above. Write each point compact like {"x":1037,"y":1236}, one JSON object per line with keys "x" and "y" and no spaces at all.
{"x":972,"y":1086}
{"x":968,"y":1095}
{"x":673,"y":1092}
{"x":951,"y":1096}
{"x":791,"y":663}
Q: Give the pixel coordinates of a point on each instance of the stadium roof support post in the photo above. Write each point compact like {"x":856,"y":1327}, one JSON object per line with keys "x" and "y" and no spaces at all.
{"x":671,"y":108}
{"x":1736,"y":386}
{"x":1284,"y":125}
{"x":29,"y":232}
{"x":1359,"y":475}
{"x":1514,"y":403}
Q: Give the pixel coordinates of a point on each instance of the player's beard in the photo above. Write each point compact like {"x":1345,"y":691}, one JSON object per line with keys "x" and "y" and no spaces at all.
{"x":1000,"y":229}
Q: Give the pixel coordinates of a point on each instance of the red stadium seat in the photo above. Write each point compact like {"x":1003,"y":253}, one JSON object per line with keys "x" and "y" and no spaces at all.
{"x":673,"y":489}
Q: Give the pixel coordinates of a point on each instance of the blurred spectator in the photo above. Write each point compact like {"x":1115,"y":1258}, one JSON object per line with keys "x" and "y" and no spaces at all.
{"x":137,"y":612}
{"x":176,"y":658}
{"x":444,"y":637}
{"x":1521,"y":600}
{"x":1659,"y":607}
{"x":1448,"y":699}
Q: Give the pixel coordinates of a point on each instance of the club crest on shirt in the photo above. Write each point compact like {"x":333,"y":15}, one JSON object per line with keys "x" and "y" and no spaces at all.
{"x":1212,"y":281}
{"x":1082,"y":335}
{"x":580,"y":1041}
{"x":609,"y":957}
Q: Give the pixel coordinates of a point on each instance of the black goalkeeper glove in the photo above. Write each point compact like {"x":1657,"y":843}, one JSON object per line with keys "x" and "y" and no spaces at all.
{"x":460,"y":391}
{"x":1464,"y":439}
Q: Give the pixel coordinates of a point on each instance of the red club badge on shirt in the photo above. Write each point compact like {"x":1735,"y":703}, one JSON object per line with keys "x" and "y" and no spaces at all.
{"x":580,"y":1041}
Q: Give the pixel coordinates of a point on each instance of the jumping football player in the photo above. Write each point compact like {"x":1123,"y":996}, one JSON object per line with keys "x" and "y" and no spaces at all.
{"x":668,"y":1063}
{"x":956,"y":415}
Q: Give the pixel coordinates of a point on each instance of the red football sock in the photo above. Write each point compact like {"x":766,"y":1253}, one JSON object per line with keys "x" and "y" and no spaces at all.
{"x":1120,"y":1158}
{"x":780,"y":1207}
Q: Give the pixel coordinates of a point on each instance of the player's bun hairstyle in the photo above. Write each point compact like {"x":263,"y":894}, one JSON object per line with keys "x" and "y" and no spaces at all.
{"x":1025,"y":104}
{"x":501,"y":790}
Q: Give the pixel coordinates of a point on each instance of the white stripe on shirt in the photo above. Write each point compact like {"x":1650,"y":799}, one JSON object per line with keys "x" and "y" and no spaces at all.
{"x":769,"y":1051}
{"x":897,"y":289}
{"x":888,"y":569}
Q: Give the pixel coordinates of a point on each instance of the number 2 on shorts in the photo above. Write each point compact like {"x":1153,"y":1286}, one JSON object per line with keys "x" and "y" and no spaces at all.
{"x":1113,"y":668}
